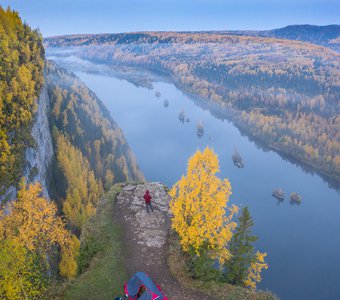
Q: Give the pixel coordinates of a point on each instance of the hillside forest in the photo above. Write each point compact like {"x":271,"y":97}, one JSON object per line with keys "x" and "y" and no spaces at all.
{"x":39,"y":237}
{"x":91,"y":151}
{"x":21,"y":73}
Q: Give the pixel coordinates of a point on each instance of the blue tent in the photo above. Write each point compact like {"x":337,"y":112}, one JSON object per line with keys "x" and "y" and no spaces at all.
{"x":142,"y":281}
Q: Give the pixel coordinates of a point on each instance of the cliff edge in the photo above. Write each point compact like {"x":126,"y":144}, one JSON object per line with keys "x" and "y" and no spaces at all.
{"x":145,"y":236}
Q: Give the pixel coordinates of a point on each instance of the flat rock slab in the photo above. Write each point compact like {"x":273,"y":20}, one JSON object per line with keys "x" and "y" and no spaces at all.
{"x":145,"y":236}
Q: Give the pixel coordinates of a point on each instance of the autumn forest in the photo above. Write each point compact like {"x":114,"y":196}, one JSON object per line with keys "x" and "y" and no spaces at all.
{"x":284,"y":93}
{"x":210,"y":160}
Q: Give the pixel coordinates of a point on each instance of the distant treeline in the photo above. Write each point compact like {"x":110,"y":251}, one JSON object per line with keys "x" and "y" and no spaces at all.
{"x":328,"y":35}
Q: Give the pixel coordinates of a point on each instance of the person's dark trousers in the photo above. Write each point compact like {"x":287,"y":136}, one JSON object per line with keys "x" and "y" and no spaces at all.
{"x":149,"y":205}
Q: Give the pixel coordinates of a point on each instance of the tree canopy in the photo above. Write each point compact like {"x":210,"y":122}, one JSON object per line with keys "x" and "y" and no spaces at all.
{"x":30,"y":232}
{"x":201,"y":215}
{"x":21,"y":78}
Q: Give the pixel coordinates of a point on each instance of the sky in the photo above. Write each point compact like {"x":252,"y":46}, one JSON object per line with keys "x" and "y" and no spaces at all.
{"x":56,"y":17}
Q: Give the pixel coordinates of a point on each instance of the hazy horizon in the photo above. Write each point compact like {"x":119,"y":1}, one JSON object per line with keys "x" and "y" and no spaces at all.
{"x":104,"y":16}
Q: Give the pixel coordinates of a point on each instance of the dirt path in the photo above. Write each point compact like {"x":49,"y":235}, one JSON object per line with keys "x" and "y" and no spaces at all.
{"x":145,"y":236}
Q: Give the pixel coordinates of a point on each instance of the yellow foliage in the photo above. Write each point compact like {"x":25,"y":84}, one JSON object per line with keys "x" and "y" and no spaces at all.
{"x":21,"y":74}
{"x":199,"y":206}
{"x":84,"y":190}
{"x":68,"y":264}
{"x":33,"y":221}
{"x":17,"y":280}
{"x":254,"y":271}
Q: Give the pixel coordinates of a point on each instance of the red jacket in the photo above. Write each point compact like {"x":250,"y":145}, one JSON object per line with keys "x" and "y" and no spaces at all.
{"x":147,"y":197}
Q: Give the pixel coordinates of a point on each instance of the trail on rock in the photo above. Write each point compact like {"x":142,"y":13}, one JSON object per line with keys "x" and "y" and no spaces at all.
{"x":145,"y":236}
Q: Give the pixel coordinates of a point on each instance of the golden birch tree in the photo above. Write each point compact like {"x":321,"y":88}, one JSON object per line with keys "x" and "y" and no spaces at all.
{"x":199,"y":204}
{"x":30,"y":231}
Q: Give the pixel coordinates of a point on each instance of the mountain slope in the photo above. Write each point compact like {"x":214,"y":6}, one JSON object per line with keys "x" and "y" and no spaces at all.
{"x":91,"y":153}
{"x":328,"y":36}
{"x":21,"y":74}
{"x":56,"y":132}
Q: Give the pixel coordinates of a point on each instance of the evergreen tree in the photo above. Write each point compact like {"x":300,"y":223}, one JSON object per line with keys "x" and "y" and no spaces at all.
{"x":241,"y":249}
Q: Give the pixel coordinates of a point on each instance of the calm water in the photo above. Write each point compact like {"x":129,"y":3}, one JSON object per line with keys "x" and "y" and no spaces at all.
{"x":302,"y":242}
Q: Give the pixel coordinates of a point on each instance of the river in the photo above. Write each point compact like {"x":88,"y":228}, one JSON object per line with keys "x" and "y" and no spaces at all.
{"x":302,"y":241}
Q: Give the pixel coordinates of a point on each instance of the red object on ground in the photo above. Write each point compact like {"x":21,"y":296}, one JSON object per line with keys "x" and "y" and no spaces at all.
{"x":147,"y":197}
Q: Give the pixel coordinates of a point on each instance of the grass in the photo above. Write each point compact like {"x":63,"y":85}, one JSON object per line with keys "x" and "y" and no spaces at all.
{"x":222,"y":291}
{"x":101,"y":258}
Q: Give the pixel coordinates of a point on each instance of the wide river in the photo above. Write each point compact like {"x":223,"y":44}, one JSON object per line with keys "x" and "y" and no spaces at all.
{"x":302,"y":241}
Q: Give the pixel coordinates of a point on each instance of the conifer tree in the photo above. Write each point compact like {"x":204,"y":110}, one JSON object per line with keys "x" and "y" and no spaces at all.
{"x":242,"y":263}
{"x":242,"y":250}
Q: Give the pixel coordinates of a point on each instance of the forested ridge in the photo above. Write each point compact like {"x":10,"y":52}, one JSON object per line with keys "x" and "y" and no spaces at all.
{"x":21,"y":78}
{"x":39,"y":236}
{"x":32,"y":234}
{"x":284,"y":93}
{"x":91,"y":151}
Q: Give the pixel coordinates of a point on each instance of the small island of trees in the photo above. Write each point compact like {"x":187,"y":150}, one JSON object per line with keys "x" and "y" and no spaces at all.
{"x":295,"y":198}
{"x":200,"y":129}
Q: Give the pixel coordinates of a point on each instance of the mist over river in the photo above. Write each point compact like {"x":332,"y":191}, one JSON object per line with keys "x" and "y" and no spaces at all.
{"x":302,"y":241}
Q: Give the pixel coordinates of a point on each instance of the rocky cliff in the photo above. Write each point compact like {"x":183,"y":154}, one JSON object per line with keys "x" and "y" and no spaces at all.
{"x":39,"y":157}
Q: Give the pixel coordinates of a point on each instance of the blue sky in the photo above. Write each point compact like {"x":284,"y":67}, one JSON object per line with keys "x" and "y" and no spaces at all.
{"x":55,"y":17}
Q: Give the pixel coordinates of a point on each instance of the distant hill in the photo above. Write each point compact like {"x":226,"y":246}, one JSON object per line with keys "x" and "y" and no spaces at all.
{"x":328,"y":36}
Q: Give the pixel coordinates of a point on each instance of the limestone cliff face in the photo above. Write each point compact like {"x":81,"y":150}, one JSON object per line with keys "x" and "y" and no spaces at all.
{"x":39,"y":157}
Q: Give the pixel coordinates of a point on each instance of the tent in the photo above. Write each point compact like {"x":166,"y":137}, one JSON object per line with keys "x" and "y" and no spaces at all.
{"x":141,"y":287}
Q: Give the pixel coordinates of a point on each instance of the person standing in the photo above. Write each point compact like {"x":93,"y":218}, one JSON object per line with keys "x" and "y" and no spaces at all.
{"x":147,"y":198}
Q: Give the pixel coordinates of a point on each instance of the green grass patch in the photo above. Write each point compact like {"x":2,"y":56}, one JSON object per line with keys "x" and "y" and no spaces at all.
{"x":101,"y":259}
{"x":223,"y":291}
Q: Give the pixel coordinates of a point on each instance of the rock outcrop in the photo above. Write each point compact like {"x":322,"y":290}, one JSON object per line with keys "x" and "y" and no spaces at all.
{"x":145,"y":236}
{"x":38,"y":157}
{"x":150,"y":229}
